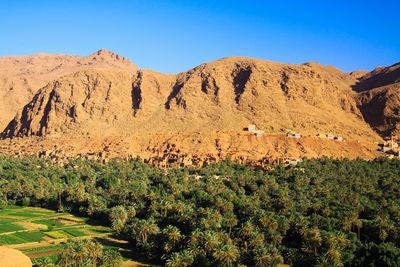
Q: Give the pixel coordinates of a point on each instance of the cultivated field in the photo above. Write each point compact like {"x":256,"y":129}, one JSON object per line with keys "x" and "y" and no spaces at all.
{"x":41,"y":232}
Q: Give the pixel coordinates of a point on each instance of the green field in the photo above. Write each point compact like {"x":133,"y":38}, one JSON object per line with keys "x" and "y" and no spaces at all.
{"x":48,"y":222}
{"x":8,"y":226}
{"x":74,"y":232}
{"x":10,"y":240}
{"x":20,"y":225}
{"x":57,"y":234}
{"x":46,"y":231}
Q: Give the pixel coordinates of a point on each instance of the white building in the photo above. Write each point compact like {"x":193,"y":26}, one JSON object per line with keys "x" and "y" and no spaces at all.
{"x":251,"y":127}
{"x":258,"y":133}
{"x":294,"y":135}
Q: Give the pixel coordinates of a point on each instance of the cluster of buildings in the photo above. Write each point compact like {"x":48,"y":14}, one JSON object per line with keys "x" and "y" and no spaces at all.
{"x":252,"y":128}
{"x":294,"y":135}
{"x":332,"y":137}
{"x":391,"y":147}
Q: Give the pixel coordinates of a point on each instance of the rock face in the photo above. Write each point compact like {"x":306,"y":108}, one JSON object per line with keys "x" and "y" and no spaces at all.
{"x":22,"y":76}
{"x":86,"y":101}
{"x":13,"y":258}
{"x":227,"y":94}
{"x":379,"y":99}
{"x":102,"y":105}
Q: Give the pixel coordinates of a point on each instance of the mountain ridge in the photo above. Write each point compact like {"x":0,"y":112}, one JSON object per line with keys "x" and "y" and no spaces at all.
{"x":110,"y":97}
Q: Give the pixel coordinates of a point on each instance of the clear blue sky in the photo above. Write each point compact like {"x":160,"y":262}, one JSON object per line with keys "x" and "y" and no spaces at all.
{"x":173,"y":36}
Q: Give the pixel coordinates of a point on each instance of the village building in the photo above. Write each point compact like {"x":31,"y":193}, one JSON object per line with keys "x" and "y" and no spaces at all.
{"x":294,"y":135}
{"x":252,"y":128}
{"x":386,"y":149}
{"x":259,"y":133}
{"x":391,"y":148}
{"x":339,"y":139}
{"x":294,"y":162}
{"x":330,"y":136}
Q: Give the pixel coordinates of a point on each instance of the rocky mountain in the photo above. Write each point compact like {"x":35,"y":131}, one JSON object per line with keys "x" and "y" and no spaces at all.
{"x":201,"y":113}
{"x":22,"y":76}
{"x":379,"y":99}
{"x":227,"y":94}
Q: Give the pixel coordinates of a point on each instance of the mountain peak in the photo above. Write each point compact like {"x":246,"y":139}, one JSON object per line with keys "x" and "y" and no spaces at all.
{"x":105,"y":56}
{"x":103,"y":51}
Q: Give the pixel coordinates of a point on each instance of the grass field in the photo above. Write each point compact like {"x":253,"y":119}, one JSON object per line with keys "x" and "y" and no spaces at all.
{"x":57,"y":234}
{"x":52,"y":223}
{"x":20,"y":225}
{"x":74,"y":232}
{"x":10,"y":240}
{"x":8,"y":226}
{"x":34,"y":236}
{"x":42,"y":233}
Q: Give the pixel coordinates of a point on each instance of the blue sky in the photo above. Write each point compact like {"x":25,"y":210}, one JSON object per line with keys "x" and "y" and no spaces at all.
{"x":173,"y":36}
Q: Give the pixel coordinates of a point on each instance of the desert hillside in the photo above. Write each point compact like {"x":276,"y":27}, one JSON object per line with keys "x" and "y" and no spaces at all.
{"x":105,"y":100}
{"x":22,"y":76}
{"x":227,"y":94}
{"x":379,"y":99}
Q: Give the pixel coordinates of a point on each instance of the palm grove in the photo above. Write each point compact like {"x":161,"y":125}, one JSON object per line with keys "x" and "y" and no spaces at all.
{"x":321,"y":213}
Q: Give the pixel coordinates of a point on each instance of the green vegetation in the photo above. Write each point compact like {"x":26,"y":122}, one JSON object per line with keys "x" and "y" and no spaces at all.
{"x":12,"y":233}
{"x":74,"y":232}
{"x":33,"y":236}
{"x":57,"y":234}
{"x":88,"y":253}
{"x":11,"y":239}
{"x":46,"y":248}
{"x":320,"y":213}
{"x":7,"y":226}
{"x":52,"y":223}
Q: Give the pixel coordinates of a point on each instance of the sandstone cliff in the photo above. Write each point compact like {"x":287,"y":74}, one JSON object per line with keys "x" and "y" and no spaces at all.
{"x":103,"y":106}
{"x":22,"y":76}
{"x":227,"y":94}
{"x":379,"y":99}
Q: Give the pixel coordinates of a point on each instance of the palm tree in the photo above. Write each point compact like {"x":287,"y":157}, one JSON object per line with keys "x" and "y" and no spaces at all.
{"x":323,"y":261}
{"x":173,"y":234}
{"x":312,"y":240}
{"x":111,"y":258}
{"x":267,"y":256}
{"x":227,"y":254}
{"x":210,"y":241}
{"x":247,"y":230}
{"x":245,"y":234}
{"x":230,"y":221}
{"x":67,"y":255}
{"x":58,"y":187}
{"x":358,"y":223}
{"x":44,"y":262}
{"x":144,"y":228}
{"x":196,"y":243}
{"x":180,"y":259}
{"x":80,"y":251}
{"x":118,"y":217}
{"x":95,"y":250}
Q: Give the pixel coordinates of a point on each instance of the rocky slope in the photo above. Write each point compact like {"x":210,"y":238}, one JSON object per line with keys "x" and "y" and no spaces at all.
{"x":227,"y":94}
{"x":22,"y":76}
{"x":102,"y":101}
{"x":379,"y":99}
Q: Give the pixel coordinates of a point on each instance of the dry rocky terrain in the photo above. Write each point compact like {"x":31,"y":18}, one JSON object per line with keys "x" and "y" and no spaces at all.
{"x":103,"y":106}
